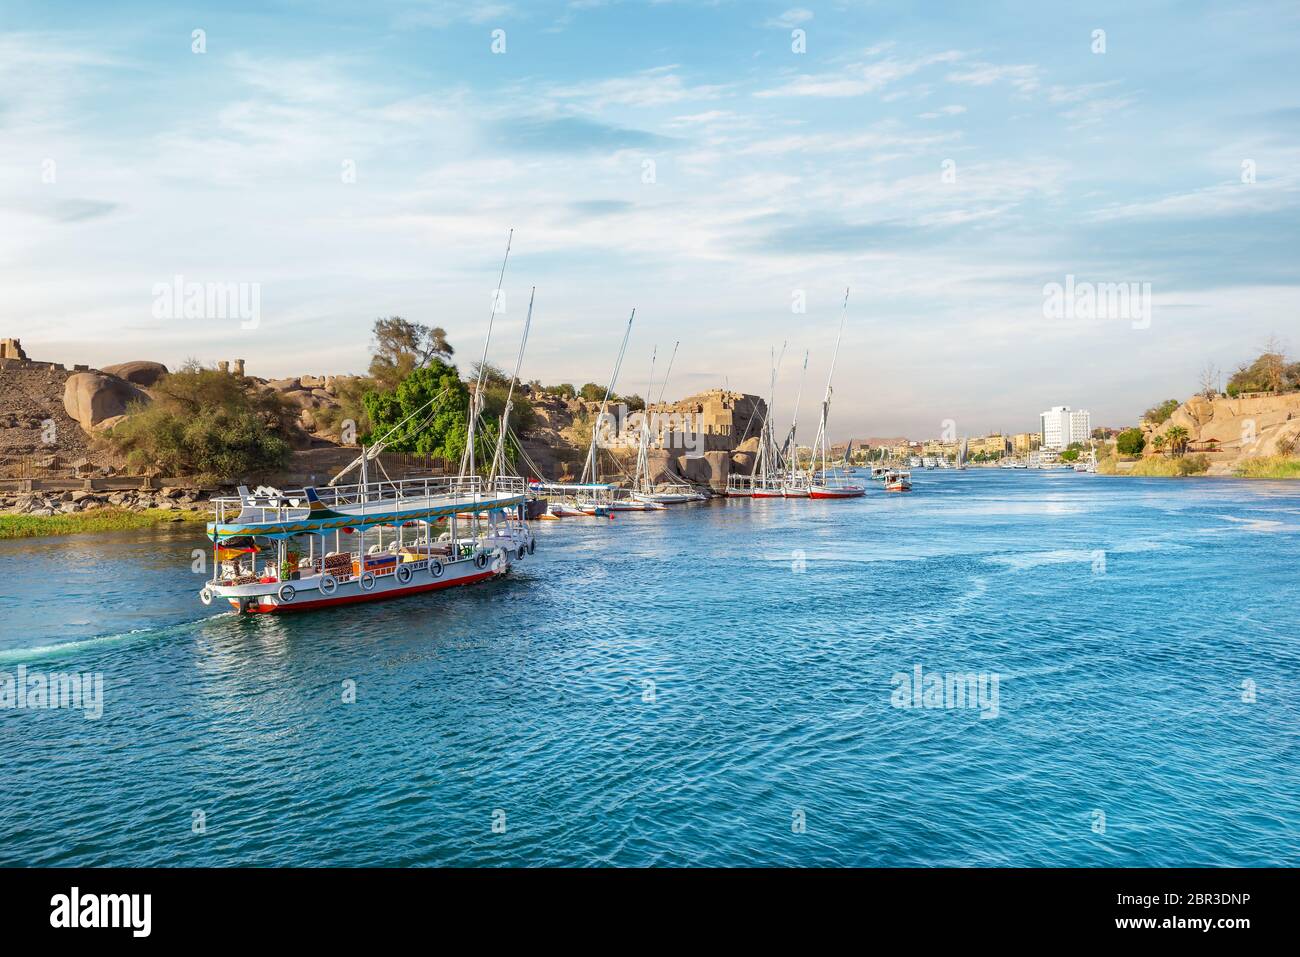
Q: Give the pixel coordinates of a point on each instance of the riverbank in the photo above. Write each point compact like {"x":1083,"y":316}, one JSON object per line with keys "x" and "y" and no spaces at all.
{"x":1263,"y":467}
{"x":90,"y":522}
{"x":1270,"y":467}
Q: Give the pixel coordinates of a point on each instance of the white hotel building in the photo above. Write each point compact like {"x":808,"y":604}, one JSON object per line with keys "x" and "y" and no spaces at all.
{"x":1062,"y":425}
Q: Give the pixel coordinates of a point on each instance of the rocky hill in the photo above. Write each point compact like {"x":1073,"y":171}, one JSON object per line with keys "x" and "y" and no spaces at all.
{"x":1233,"y":430}
{"x":51,"y":418}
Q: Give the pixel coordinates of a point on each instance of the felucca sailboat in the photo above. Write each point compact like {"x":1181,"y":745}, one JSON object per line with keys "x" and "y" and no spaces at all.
{"x":830,"y":482}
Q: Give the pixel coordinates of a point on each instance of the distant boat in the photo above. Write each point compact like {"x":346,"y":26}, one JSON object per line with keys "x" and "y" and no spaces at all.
{"x":898,"y":481}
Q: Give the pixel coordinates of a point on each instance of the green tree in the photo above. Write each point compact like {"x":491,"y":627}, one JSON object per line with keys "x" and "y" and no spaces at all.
{"x":563,"y":389}
{"x":1270,"y":372}
{"x":1130,"y":442}
{"x":1159,"y":442}
{"x":1177,"y":437}
{"x":1159,"y":414}
{"x":401,"y":347}
{"x":438,"y":430}
{"x":592,"y":392}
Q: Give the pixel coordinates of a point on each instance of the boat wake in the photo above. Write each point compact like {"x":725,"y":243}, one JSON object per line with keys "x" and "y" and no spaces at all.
{"x":63,"y":649}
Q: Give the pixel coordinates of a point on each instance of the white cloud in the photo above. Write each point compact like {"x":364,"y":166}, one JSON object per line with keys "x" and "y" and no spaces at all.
{"x":445,"y":13}
{"x":859,"y":78}
{"x":659,"y":86}
{"x":1022,"y":76}
{"x":1221,"y":199}
{"x":791,"y":18}
{"x":952,"y":109}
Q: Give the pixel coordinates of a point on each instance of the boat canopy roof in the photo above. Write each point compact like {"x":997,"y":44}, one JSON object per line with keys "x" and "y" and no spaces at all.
{"x":571,"y":486}
{"x":357,"y":507}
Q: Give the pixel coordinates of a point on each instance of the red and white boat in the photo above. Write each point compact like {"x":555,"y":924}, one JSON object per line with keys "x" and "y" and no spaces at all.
{"x":341,"y":544}
{"x":898,"y":480}
{"x":826,"y":490}
{"x":364,"y":542}
{"x":768,"y":489}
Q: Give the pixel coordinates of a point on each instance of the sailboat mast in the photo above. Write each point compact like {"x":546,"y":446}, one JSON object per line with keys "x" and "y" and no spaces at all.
{"x":642,"y":462}
{"x":794,"y":421}
{"x":591,"y":468}
{"x":826,"y":402}
{"x":498,"y":455}
{"x":476,"y":401}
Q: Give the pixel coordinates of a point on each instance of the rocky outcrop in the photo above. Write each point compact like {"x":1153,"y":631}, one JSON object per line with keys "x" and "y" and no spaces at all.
{"x":1231,"y":430}
{"x":92,"y":397}
{"x":141,"y":372}
{"x":82,"y":500}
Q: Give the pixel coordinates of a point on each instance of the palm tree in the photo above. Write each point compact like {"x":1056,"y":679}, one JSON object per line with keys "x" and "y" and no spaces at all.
{"x":1158,"y":443}
{"x":1177,"y":437}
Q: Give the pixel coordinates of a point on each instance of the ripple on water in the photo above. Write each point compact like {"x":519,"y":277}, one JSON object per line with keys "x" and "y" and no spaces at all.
{"x":710,"y":685}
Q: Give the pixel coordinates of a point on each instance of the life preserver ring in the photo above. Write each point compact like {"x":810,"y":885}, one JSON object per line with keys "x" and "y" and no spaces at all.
{"x":532,"y":546}
{"x":328,"y":584}
{"x":286,"y":593}
{"x":367,"y":581}
{"x":435,"y":568}
{"x":205,"y":596}
{"x":403,"y":574}
{"x":480,"y":560}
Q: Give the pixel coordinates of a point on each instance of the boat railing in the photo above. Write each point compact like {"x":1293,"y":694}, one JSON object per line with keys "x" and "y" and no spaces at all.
{"x":276,"y":506}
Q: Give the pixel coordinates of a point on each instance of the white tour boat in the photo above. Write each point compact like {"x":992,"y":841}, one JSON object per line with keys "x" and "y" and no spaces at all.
{"x":318,"y":551}
{"x":898,"y":480}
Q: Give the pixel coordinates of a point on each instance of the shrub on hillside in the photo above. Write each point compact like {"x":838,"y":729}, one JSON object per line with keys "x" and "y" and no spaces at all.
{"x":208,"y":423}
{"x":1159,"y":414}
{"x":1130,"y":442}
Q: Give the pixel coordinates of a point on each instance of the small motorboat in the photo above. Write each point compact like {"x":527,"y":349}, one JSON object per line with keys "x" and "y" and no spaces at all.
{"x":898,"y":481}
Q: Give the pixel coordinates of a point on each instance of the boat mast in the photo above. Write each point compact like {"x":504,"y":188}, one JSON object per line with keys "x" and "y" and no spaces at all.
{"x":793,"y":441}
{"x":498,"y":455}
{"x":592,"y":468}
{"x":767,"y":442}
{"x":826,"y":402}
{"x":642,"y":462}
{"x":476,"y":401}
{"x":662,"y":386}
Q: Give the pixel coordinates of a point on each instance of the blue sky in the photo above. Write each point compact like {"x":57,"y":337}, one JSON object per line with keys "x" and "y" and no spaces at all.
{"x":776,"y":175}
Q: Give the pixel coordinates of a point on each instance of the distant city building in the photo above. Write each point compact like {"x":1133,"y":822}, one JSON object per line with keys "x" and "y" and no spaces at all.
{"x":995,"y":444}
{"x":1023,"y":442}
{"x":1061,"y":425}
{"x":939,"y":448}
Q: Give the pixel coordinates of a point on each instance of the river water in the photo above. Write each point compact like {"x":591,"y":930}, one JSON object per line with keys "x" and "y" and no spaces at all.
{"x":721,"y":684}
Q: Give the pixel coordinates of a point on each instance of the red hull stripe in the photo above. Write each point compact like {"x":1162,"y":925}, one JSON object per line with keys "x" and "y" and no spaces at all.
{"x":368,"y":596}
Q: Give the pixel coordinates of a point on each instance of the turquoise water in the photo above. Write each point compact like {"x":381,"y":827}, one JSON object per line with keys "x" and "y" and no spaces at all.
{"x":711,"y":685}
